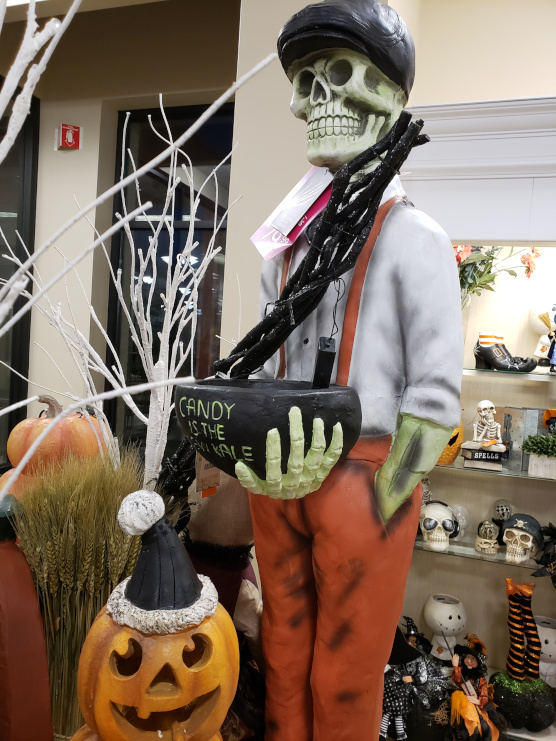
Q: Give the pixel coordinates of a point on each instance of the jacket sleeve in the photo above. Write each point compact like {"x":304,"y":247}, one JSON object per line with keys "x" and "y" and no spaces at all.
{"x":271,"y":276}
{"x":428,"y":304}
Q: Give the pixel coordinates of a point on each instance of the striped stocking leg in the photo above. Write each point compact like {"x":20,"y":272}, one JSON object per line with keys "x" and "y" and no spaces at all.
{"x":400,"y":728}
{"x":533,"y":654}
{"x":384,"y":723}
{"x":515,"y":664}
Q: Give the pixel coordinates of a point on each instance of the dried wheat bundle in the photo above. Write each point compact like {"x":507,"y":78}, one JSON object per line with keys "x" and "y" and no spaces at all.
{"x":68,"y":531}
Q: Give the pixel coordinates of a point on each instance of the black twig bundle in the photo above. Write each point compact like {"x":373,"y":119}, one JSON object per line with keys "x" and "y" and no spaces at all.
{"x":341,"y":234}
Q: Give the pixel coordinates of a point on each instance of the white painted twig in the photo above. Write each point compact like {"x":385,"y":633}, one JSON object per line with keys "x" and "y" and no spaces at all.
{"x":105,"y":396}
{"x":18,"y":405}
{"x":118,"y":187}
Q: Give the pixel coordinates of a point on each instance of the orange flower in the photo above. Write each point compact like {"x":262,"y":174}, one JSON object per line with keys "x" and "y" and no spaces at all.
{"x":462,"y":252}
{"x":529,"y":262}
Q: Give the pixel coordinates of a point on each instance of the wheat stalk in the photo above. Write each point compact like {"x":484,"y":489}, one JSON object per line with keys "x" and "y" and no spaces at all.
{"x":68,"y":531}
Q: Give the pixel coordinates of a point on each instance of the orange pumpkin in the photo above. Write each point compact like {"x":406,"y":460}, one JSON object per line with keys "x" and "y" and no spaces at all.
{"x":20,"y":485}
{"x":138,"y":687}
{"x":73,"y":435}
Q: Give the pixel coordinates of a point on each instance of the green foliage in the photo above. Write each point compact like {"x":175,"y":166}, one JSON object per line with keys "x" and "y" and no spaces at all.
{"x":540,"y":445}
{"x":68,"y":531}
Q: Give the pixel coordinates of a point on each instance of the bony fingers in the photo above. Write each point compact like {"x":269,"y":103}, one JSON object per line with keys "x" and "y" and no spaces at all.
{"x":248,"y":479}
{"x":297,"y":447}
{"x":273,"y":456}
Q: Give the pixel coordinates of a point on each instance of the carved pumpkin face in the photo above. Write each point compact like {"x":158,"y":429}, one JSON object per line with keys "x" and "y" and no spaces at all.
{"x":137,"y":687}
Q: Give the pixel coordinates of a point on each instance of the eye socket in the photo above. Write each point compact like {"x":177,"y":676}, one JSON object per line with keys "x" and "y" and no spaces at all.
{"x":450,"y":617}
{"x":448,"y":525}
{"x":546,"y":641}
{"x":128,"y":664}
{"x":429,"y":523}
{"x":305,"y":83}
{"x":340,"y":72}
{"x":197,"y":657}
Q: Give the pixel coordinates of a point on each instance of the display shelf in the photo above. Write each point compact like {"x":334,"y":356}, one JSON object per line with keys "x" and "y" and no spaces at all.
{"x":549,"y":733}
{"x":465,"y":548}
{"x":550,"y":377}
{"x":458,"y":466}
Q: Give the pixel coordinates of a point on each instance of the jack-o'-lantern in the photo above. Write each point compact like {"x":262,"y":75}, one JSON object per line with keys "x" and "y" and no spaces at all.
{"x":161,"y":660}
{"x":137,"y":686}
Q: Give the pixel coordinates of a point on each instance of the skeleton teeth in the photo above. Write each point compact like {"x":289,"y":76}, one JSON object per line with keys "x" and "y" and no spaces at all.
{"x":318,"y":127}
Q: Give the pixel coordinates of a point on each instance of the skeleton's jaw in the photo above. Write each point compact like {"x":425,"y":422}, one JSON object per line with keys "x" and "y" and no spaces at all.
{"x":336,"y":134}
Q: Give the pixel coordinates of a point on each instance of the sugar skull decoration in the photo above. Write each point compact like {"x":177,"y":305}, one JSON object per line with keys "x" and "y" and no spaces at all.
{"x":487,"y":538}
{"x":446,"y":616}
{"x":161,"y":660}
{"x":523,"y":538}
{"x":438,"y":523}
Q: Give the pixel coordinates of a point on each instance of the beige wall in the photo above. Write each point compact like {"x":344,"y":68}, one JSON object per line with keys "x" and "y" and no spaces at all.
{"x":481,"y":50}
{"x":466,"y":50}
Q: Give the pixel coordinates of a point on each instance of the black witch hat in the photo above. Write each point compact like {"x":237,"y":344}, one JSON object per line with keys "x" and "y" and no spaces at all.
{"x":164,"y":594}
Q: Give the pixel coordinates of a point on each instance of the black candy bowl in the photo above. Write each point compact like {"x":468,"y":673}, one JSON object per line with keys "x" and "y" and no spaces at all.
{"x":228,"y":420}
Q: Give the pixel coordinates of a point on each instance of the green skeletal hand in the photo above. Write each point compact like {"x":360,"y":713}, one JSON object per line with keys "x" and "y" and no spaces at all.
{"x":416,"y":446}
{"x":305,"y":472}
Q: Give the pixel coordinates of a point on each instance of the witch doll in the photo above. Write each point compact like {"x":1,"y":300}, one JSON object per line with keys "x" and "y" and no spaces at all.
{"x":473,"y":715}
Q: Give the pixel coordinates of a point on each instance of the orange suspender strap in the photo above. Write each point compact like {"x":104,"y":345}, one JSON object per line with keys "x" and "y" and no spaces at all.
{"x":355,"y":290}
{"x":354,"y":296}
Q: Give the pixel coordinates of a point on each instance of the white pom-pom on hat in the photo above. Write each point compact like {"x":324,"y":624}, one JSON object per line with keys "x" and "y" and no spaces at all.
{"x":139,"y":511}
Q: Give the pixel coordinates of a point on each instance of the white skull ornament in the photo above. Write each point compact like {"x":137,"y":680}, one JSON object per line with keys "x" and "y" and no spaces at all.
{"x":486,"y":541}
{"x":520,"y":545}
{"x":438,"y":524}
{"x":347,"y":102}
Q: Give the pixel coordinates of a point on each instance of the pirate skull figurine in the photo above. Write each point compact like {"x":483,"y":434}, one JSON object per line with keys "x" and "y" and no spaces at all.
{"x":487,"y":538}
{"x":438,"y":524}
{"x":523,"y":538}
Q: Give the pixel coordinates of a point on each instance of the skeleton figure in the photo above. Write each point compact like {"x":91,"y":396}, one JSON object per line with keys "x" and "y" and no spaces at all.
{"x":486,"y":428}
{"x":523,"y":538}
{"x":486,"y":541}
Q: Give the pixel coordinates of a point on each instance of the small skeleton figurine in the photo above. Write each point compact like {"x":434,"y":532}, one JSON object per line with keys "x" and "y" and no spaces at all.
{"x":486,"y":429}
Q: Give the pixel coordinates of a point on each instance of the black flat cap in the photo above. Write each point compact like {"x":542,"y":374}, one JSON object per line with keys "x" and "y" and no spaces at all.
{"x":365,"y":26}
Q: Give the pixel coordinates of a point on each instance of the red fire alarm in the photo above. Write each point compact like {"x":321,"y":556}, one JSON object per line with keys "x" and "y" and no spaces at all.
{"x":69,"y":137}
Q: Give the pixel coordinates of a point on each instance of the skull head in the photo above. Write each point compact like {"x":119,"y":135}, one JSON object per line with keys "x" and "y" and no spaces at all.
{"x":486,"y":540}
{"x":438,"y":524}
{"x":347,"y":102}
{"x":522,"y":535}
{"x":486,"y":410}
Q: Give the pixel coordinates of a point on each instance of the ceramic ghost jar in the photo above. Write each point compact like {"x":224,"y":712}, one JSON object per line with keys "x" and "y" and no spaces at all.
{"x":347,"y":102}
{"x":446,"y":617}
{"x":546,"y":627}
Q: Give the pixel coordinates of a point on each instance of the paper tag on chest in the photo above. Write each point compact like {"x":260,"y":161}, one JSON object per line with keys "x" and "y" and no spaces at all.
{"x":299,"y":208}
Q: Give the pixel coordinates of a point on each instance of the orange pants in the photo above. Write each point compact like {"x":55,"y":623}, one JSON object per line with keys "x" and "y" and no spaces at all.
{"x":333,"y":578}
